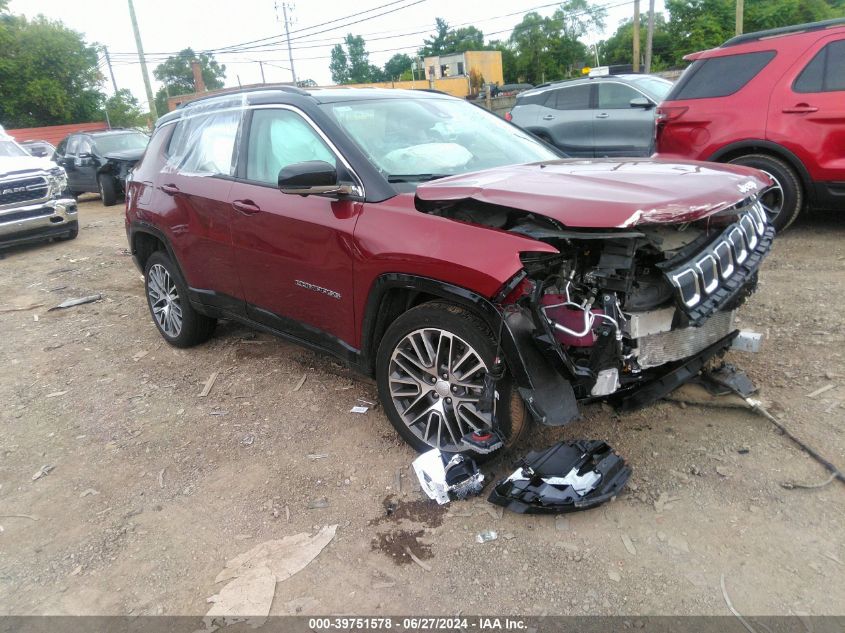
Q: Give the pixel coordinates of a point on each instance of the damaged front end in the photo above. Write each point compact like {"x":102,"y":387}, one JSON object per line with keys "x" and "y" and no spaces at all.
{"x":625,"y":314}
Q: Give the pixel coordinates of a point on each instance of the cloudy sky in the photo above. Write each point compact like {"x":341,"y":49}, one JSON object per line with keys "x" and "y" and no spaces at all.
{"x":168,"y":26}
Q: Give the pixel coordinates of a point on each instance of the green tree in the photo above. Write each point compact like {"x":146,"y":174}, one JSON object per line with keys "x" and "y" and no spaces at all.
{"x":619,"y":47}
{"x":397,"y":65}
{"x":435,"y":45}
{"x":509,"y":61}
{"x":178,"y":77}
{"x":351,"y":65}
{"x":339,"y":65}
{"x":124,"y":111}
{"x":695,"y":25}
{"x":48,"y":74}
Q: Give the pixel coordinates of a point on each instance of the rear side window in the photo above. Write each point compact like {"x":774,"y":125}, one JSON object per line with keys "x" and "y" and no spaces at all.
{"x":719,"y":76}
{"x":204,"y":144}
{"x":574,"y":98}
{"x":278,"y":138}
{"x":825,"y":72}
{"x":72,"y":144}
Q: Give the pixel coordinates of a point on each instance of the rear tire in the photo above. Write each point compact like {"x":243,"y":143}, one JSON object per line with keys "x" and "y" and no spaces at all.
{"x":167,"y":297}
{"x":784,"y":201}
{"x":462,"y":334}
{"x":108,"y":189}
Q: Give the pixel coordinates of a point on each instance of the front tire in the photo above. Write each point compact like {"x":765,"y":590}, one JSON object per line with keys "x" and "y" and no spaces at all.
{"x":167,"y":297}
{"x":430,"y":368}
{"x":784,"y":201}
{"x":108,"y":189}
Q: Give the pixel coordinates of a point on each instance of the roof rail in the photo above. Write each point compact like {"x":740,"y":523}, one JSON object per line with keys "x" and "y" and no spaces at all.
{"x":237,"y":91}
{"x":784,"y":30}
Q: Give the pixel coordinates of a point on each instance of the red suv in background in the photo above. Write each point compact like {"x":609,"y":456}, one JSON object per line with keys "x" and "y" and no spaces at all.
{"x":774,"y":100}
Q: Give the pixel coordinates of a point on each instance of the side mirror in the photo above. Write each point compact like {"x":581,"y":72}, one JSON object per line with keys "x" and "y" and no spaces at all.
{"x":310,"y":177}
{"x":84,"y":155}
{"x":641,"y":102}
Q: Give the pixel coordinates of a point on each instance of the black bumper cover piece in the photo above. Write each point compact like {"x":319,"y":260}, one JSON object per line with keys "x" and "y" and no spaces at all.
{"x":538,"y":489}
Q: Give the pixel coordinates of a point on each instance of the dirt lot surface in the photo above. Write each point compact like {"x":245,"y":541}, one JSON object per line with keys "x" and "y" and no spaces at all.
{"x":153,"y":488}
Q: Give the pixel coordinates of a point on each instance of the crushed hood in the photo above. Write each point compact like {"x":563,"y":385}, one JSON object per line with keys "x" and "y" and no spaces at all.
{"x":602,"y":193}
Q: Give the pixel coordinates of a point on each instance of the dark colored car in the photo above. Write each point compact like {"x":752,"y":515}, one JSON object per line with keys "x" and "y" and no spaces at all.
{"x":40,"y":149}
{"x":479,"y":277}
{"x":773,"y":100}
{"x":600,"y":116}
{"x":98,"y":162}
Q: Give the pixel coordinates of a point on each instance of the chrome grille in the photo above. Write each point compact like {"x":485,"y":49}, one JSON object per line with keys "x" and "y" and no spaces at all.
{"x":23,"y":190}
{"x":706,"y":282}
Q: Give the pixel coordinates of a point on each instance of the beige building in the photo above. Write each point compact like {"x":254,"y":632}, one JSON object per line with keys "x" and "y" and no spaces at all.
{"x":488,"y":64}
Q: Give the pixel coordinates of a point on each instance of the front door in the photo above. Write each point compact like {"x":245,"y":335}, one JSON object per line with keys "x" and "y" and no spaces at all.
{"x":620,"y":129}
{"x":85,"y":166}
{"x":807,"y":110}
{"x":294,"y":254}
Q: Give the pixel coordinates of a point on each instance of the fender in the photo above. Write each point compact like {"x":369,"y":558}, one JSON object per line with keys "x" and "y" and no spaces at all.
{"x":772,"y":148}
{"x":138,"y":226}
{"x":547,"y":394}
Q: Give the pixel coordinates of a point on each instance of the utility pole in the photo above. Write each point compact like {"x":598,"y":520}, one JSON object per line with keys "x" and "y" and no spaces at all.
{"x":261,"y":66}
{"x":649,"y":36}
{"x":739,"y":17}
{"x":143,"y":61}
{"x":636,"y":36}
{"x":111,"y":72}
{"x":287,"y":35}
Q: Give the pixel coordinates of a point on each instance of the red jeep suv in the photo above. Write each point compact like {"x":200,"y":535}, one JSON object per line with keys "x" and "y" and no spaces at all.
{"x":467,"y":266}
{"x":774,"y":100}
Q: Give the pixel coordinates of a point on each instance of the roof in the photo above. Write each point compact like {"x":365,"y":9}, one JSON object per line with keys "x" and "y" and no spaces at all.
{"x":293,"y":95}
{"x":627,"y":78}
{"x":784,"y":30}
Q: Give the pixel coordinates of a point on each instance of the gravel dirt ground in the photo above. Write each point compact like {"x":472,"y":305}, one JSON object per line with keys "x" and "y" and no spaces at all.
{"x":153,"y":488}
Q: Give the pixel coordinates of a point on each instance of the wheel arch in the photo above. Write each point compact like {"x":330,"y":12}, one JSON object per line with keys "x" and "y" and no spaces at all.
{"x":144,"y":240}
{"x":759,"y":146}
{"x":393,"y":294}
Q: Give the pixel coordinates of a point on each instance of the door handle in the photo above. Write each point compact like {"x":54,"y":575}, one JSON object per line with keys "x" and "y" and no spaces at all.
{"x":170,"y":189}
{"x":800,"y":108}
{"x":247,"y":207}
{"x":602,"y":115}
{"x":548,"y":117}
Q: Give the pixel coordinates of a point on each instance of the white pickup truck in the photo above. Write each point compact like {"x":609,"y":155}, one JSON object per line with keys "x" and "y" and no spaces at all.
{"x":34,"y":204}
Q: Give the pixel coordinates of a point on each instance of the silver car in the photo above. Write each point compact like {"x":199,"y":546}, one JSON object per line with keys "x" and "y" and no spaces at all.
{"x":594,"y":117}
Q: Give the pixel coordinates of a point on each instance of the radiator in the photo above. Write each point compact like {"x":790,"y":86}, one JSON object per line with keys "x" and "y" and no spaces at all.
{"x":666,"y":347}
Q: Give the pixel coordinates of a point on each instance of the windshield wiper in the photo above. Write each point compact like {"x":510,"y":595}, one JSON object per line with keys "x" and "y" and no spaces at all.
{"x":415,"y":177}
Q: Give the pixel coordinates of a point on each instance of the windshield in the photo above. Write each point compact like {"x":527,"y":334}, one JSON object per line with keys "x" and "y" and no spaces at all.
{"x":413,"y":140}
{"x":656,"y":87}
{"x":119,"y":142}
{"x":10,"y":148}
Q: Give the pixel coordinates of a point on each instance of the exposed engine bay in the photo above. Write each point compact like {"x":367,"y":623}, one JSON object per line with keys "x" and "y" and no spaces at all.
{"x":618,"y":310}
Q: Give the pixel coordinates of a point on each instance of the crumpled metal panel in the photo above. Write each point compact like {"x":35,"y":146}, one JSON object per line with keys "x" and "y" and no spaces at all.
{"x":667,"y":347}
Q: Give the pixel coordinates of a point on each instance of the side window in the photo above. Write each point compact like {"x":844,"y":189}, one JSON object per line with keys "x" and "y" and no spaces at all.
{"x":278,"y":138}
{"x":60,"y":150}
{"x":613,"y":96}
{"x":205,"y":144}
{"x":72,"y":144}
{"x":573,"y":98}
{"x":84,"y":146}
{"x":719,"y":76}
{"x":825,"y":72}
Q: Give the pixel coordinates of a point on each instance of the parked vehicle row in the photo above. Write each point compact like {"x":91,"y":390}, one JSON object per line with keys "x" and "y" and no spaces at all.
{"x":773,"y":100}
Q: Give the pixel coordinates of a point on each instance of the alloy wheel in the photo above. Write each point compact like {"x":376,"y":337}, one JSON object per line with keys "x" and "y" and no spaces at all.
{"x":436,"y":379}
{"x":772,"y":200}
{"x":164,"y":300}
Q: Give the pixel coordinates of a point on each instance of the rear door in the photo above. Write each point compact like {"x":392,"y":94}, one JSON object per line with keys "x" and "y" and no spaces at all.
{"x":620,"y":129}
{"x":807,"y":110}
{"x":294,"y":254}
{"x":568,"y":118}
{"x":193,"y":200}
